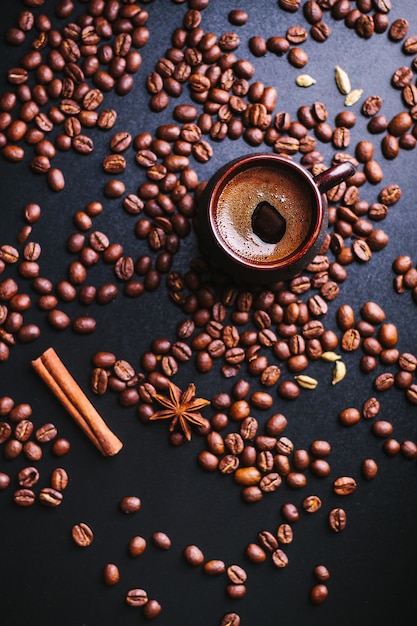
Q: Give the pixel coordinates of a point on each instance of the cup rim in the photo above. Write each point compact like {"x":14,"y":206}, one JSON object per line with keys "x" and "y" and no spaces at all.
{"x":228,"y":171}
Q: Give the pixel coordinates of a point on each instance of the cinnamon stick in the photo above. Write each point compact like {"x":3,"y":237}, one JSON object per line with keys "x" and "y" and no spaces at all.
{"x":56,"y":376}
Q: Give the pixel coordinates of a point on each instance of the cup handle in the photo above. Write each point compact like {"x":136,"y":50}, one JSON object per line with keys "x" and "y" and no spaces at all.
{"x":334,"y":175}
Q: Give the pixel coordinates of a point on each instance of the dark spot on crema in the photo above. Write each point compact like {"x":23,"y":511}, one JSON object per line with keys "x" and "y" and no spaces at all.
{"x":267,"y":223}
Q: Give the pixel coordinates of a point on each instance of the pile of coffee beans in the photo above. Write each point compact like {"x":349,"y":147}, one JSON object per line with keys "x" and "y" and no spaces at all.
{"x":21,"y":437}
{"x":405,"y":275}
{"x":233,"y":106}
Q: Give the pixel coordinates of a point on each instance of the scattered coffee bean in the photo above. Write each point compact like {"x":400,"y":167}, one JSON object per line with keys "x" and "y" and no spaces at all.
{"x":318,"y":593}
{"x":230,"y":619}
{"x":152,"y":609}
{"x":161,"y":540}
{"x":130,"y":504}
{"x":337,"y":519}
{"x":137,"y":597}
{"x":82,"y":534}
{"x":137,"y":546}
{"x":214,"y":567}
{"x":344,"y":485}
{"x":111,"y":574}
{"x":193,"y":555}
{"x":24,"y":497}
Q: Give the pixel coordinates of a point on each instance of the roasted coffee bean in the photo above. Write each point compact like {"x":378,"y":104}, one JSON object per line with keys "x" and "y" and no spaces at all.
{"x":384,"y":381}
{"x":247,"y":476}
{"x":261,"y":400}
{"x":255,"y":553}
{"x":372,"y":105}
{"x":282,"y":464}
{"x":6,"y":431}
{"x":59,"y":479}
{"x":46,"y":432}
{"x":398,"y":29}
{"x":279,"y":558}
{"x":136,"y":597}
{"x":193,"y":555}
{"x":28,"y":477}
{"x":364,"y":151}
{"x":350,"y":340}
{"x":137,"y":546}
{"x":236,"y":574}
{"x":114,"y":189}
{"x":84,"y":325}
{"x":130,"y":504}
{"x":369,"y":469}
{"x":320,"y":448}
{"x":285,"y":534}
{"x":301,"y":459}
{"x":275,"y":425}
{"x":337,"y":519}
{"x":321,"y":573}
{"x":296,"y":480}
{"x":402,"y":77}
{"x":111,"y":574}
{"x":365,"y":26}
{"x":288,"y":390}
{"x":230,"y":619}
{"x":388,"y":335}
{"x":371,"y":408}
{"x":214,"y":567}
{"x":391,"y":447}
{"x":4,"y":481}
{"x":31,"y":450}
{"x":208,"y":461}
{"x":82,"y":534}
{"x":410,"y":45}
{"x":257,"y":46}
{"x":277,"y":45}
{"x":50,"y":497}
{"x":24,"y":497}
{"x":285,"y":446}
{"x":265,"y":463}
{"x":270,"y":482}
{"x":311,"y":504}
{"x":390,"y":194}
{"x":344,"y":485}
{"x":289,"y":5}
{"x":152,"y":609}
{"x":236,"y":591}
{"x":267,"y":541}
{"x":237,"y":17}
{"x":407,"y":362}
{"x":409,"y":449}
{"x":13,"y":153}
{"x":400,"y":124}
{"x":161,"y":540}
{"x":318,"y":593}
{"x":114,"y":164}
{"x":411,"y":394}
{"x":345,"y":317}
{"x":382,"y":428}
{"x":55,"y":179}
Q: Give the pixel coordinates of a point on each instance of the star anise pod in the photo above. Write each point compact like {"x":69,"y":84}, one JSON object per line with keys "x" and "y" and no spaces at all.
{"x":182,"y":407}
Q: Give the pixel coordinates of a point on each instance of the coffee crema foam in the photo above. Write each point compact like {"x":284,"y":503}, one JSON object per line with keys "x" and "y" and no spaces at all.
{"x":285,"y":191}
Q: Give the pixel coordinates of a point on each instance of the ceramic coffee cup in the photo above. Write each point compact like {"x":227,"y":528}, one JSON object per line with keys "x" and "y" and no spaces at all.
{"x":263,"y":217}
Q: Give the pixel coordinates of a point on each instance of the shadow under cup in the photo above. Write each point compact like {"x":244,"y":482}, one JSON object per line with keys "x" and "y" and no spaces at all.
{"x":262,"y":218}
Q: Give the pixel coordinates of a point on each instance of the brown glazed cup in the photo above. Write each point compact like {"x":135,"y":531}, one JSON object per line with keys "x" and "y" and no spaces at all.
{"x":263,"y":217}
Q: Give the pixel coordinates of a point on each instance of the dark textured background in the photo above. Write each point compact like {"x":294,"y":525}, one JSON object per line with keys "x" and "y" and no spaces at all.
{"x":45,"y":579}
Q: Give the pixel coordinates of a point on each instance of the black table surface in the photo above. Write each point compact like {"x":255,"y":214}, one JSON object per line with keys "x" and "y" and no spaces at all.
{"x":47,"y":580}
